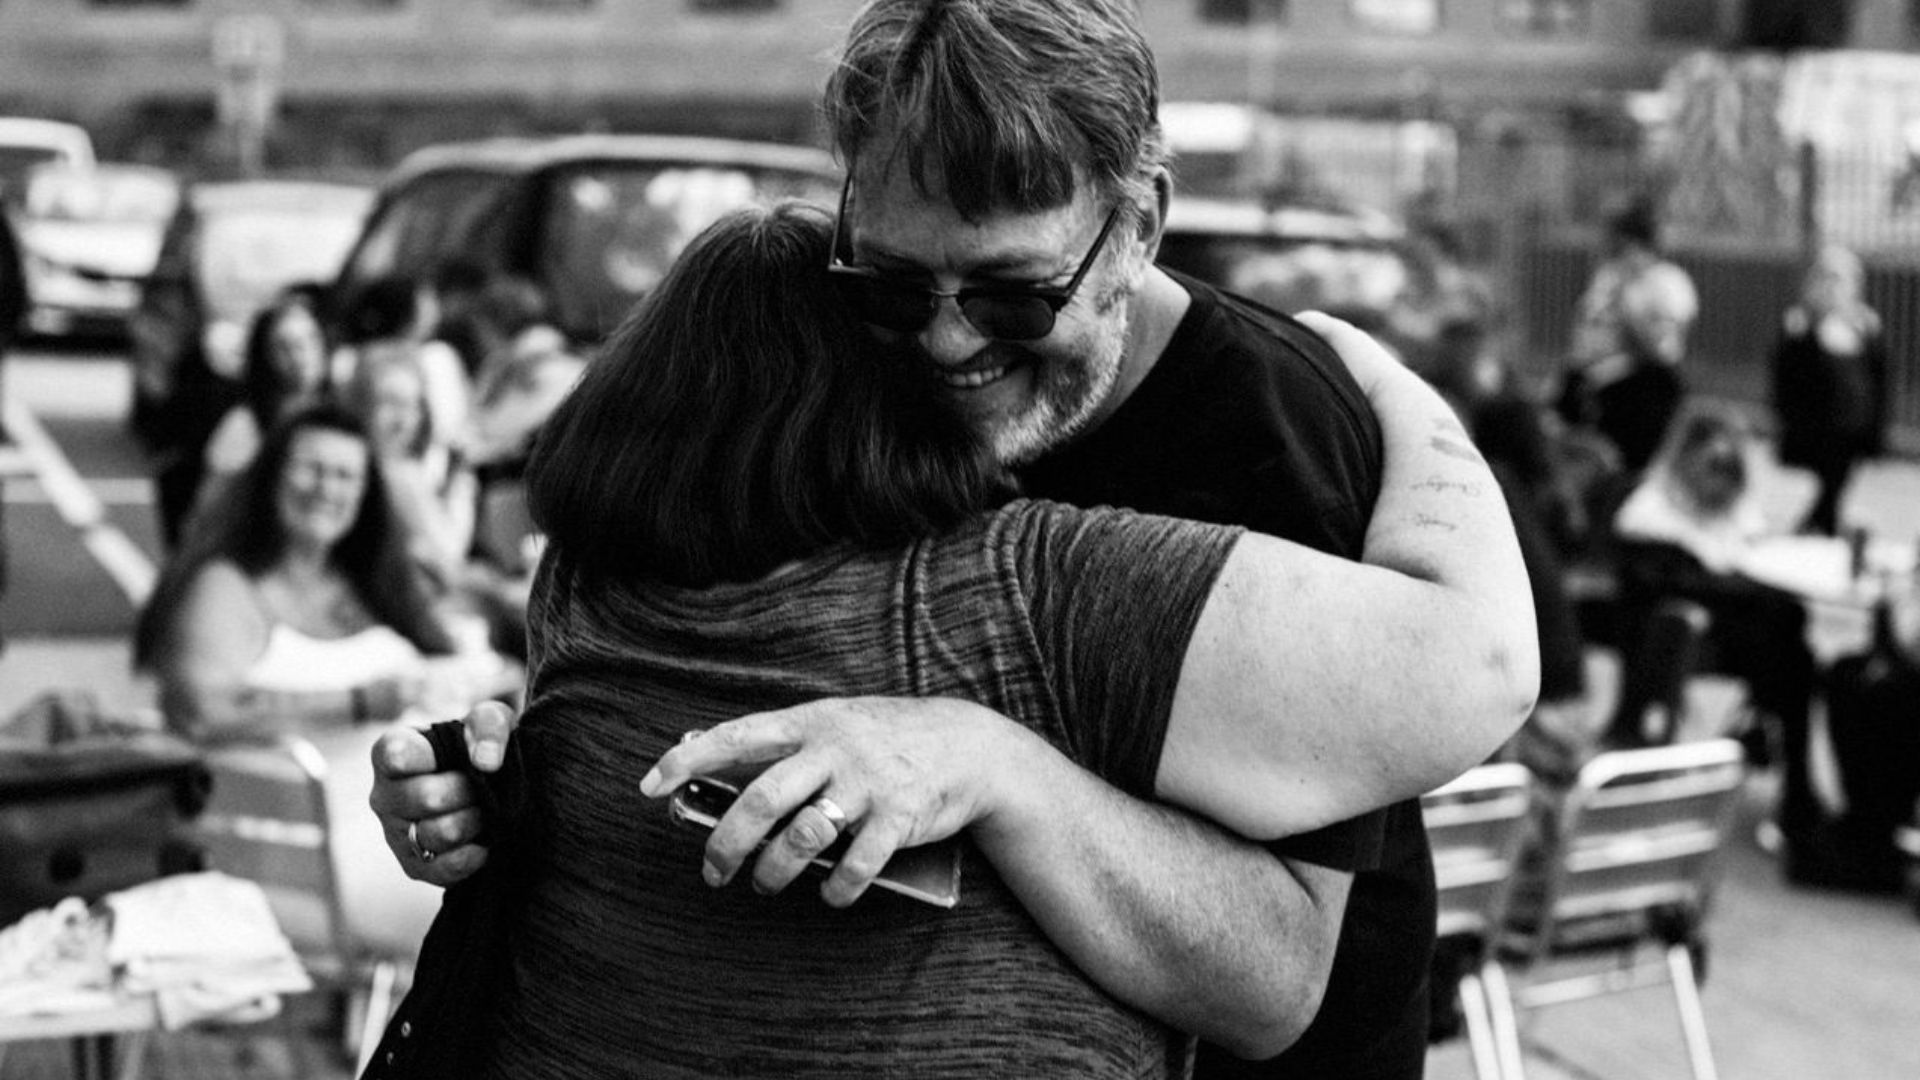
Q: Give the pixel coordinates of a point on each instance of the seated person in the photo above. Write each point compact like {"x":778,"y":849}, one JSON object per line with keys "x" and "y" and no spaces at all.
{"x":432,"y":490}
{"x":293,"y":608}
{"x":1684,"y":531}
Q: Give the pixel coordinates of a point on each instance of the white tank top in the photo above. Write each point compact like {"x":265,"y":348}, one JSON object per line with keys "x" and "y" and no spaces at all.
{"x":294,"y":661}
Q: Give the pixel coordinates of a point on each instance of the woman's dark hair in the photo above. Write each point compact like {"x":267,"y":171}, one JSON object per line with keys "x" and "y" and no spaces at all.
{"x":264,"y":387}
{"x":242,"y":525}
{"x":741,"y":418}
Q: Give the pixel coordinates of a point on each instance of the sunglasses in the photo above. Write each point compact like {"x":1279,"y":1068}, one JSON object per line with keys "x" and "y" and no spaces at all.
{"x":1001,"y":312}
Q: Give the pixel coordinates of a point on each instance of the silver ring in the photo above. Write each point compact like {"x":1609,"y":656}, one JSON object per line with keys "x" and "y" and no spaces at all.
{"x":830,"y":810}
{"x":413,"y":841}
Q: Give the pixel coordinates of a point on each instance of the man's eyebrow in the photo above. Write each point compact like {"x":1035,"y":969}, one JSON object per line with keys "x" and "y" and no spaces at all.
{"x":1029,"y":264}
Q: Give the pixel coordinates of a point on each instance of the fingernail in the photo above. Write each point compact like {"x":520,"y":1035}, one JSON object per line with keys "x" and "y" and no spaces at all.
{"x":713,"y":875}
{"x":650,"y":783}
{"x":487,"y":755}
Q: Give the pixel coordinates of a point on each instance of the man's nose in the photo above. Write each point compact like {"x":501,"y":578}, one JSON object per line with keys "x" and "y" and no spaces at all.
{"x":949,"y":339}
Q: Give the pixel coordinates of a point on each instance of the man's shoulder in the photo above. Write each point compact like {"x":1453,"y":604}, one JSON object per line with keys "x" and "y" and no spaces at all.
{"x":1251,"y":358}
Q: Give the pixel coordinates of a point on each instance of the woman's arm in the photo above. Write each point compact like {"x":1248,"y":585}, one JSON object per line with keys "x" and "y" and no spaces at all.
{"x":216,"y":636}
{"x":1315,"y":688}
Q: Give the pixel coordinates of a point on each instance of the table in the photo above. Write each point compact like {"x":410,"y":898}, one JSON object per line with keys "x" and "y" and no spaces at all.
{"x":91,"y":1030}
{"x":1840,"y":604}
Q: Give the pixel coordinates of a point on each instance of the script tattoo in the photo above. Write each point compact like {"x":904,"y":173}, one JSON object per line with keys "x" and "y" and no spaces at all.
{"x":1428,"y":521}
{"x":1441,"y":485}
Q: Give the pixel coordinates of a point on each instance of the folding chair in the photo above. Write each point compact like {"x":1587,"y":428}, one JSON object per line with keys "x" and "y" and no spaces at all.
{"x":266,"y":820}
{"x":1476,"y":826}
{"x":1629,"y":866}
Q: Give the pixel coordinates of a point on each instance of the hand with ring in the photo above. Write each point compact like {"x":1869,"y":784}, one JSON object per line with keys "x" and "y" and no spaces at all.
{"x":888,"y":772}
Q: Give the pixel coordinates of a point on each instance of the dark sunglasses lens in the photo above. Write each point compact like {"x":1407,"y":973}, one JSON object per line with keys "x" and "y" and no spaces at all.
{"x":901,"y":310}
{"x":1009,"y":318}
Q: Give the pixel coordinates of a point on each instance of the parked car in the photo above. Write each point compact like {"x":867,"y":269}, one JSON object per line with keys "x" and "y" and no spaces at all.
{"x":89,"y":236}
{"x":28,"y":141}
{"x":1360,"y":265}
{"x":592,"y":220}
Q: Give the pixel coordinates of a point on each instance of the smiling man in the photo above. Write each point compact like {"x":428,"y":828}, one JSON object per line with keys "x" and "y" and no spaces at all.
{"x":1007,"y":187}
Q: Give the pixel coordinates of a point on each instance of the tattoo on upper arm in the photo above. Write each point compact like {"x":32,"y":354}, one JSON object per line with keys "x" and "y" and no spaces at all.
{"x":1428,"y":521}
{"x":1454,"y":448}
{"x":1441,"y":486}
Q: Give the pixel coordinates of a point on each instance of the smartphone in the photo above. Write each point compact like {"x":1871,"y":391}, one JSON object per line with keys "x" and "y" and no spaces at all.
{"x":929,"y":873}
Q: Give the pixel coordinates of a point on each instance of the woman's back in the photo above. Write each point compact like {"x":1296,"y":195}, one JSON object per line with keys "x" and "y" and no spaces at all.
{"x":744,"y":984}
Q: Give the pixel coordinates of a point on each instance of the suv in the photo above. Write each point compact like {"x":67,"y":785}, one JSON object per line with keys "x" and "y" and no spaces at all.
{"x":592,"y":220}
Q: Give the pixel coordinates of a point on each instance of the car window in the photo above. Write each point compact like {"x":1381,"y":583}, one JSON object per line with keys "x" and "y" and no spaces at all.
{"x":425,"y":222}
{"x":16,"y":162}
{"x":245,"y":256}
{"x":611,"y":229}
{"x":65,"y":194}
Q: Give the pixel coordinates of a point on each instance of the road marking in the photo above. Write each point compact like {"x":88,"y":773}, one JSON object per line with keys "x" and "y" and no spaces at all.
{"x":111,"y":490}
{"x":79,"y":506}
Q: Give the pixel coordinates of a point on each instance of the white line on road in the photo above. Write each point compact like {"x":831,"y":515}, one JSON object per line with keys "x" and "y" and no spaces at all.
{"x":78,"y":506}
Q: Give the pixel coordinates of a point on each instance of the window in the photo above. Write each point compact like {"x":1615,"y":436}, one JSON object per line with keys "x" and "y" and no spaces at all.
{"x":1398,"y":16}
{"x":547,"y":5}
{"x":137,"y":3}
{"x":349,"y":5}
{"x":733,"y":5}
{"x":1548,"y":17}
{"x":1246,"y":12}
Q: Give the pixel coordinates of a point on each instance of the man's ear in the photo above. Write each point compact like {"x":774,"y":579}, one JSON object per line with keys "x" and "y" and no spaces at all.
{"x":1152,"y":223}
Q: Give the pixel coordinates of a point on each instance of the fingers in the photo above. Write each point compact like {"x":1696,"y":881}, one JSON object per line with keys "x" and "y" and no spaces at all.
{"x":489,"y":725}
{"x":775,"y":796}
{"x":872,"y":846}
{"x":813,"y":833}
{"x":438,"y":850}
{"x":758,"y":737}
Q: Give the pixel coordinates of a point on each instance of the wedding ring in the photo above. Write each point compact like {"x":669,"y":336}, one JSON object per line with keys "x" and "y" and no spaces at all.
{"x":413,"y":841}
{"x":830,"y":810}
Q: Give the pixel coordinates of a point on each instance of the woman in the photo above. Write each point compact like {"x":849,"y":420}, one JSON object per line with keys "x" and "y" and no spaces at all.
{"x":293,"y":609}
{"x":1685,"y":531}
{"x":432,"y":491}
{"x":284,"y":365}
{"x":824,"y":524}
{"x":1830,"y":381}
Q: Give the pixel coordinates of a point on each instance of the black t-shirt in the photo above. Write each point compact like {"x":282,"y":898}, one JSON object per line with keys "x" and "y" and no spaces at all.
{"x":1249,"y":418}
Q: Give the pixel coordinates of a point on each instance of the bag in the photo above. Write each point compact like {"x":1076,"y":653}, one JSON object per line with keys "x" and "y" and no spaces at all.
{"x":1873,"y":722}
{"x":90,"y":805}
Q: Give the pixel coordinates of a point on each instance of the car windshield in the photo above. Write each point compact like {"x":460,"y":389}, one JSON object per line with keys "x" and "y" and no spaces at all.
{"x":613,"y":228}
{"x":247,"y":255}
{"x":16,"y":162}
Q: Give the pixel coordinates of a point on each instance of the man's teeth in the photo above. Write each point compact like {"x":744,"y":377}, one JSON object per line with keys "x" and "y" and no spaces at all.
{"x":969,"y":380}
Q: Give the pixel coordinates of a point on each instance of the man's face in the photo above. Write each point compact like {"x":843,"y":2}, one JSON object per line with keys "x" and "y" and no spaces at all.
{"x":1026,"y":397}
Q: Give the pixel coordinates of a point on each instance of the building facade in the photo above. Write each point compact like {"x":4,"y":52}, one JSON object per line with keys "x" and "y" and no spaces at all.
{"x":352,"y":80}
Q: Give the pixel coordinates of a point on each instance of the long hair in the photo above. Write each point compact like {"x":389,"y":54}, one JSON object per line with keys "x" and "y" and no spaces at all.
{"x":741,"y":418}
{"x":263,"y":386}
{"x":1012,"y":104}
{"x":243,"y":526}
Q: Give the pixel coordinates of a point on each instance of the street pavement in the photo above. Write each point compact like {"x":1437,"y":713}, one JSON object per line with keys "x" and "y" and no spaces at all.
{"x":1801,"y":984}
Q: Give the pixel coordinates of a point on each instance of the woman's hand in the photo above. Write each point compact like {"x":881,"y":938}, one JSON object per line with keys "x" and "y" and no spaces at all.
{"x":894,"y":772}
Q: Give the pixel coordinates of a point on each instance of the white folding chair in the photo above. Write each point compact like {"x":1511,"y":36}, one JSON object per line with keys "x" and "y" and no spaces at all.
{"x":266,"y":820}
{"x":1624,"y":882}
{"x":1476,"y":826}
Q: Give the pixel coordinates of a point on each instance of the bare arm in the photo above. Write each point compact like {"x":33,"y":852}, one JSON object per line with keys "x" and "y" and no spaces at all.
{"x":1315,"y":688}
{"x":217,"y":634}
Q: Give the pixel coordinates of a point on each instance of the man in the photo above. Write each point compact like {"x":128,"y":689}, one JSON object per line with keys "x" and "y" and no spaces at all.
{"x":1629,"y":338}
{"x":1004,"y":155}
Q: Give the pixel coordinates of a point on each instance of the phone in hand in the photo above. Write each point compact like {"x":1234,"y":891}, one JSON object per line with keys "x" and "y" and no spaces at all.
{"x":929,"y":873}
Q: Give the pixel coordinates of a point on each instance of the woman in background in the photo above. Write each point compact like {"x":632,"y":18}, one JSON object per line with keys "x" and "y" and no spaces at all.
{"x":432,"y":491}
{"x":1830,"y":381}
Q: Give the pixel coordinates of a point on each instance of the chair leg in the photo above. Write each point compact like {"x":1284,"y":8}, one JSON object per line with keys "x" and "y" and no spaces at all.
{"x":379,"y":1008}
{"x":1506,"y":1026}
{"x":1693,"y":1019}
{"x":1473,"y":1008}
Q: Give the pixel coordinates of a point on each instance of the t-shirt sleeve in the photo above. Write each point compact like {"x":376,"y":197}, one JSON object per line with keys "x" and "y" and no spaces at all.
{"x":1114,"y":597}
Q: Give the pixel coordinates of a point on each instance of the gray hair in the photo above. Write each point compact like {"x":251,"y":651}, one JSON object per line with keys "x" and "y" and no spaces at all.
{"x":1012,"y":104}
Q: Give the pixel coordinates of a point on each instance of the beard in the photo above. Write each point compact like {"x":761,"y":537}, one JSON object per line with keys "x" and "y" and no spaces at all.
{"x":1071,"y":382}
